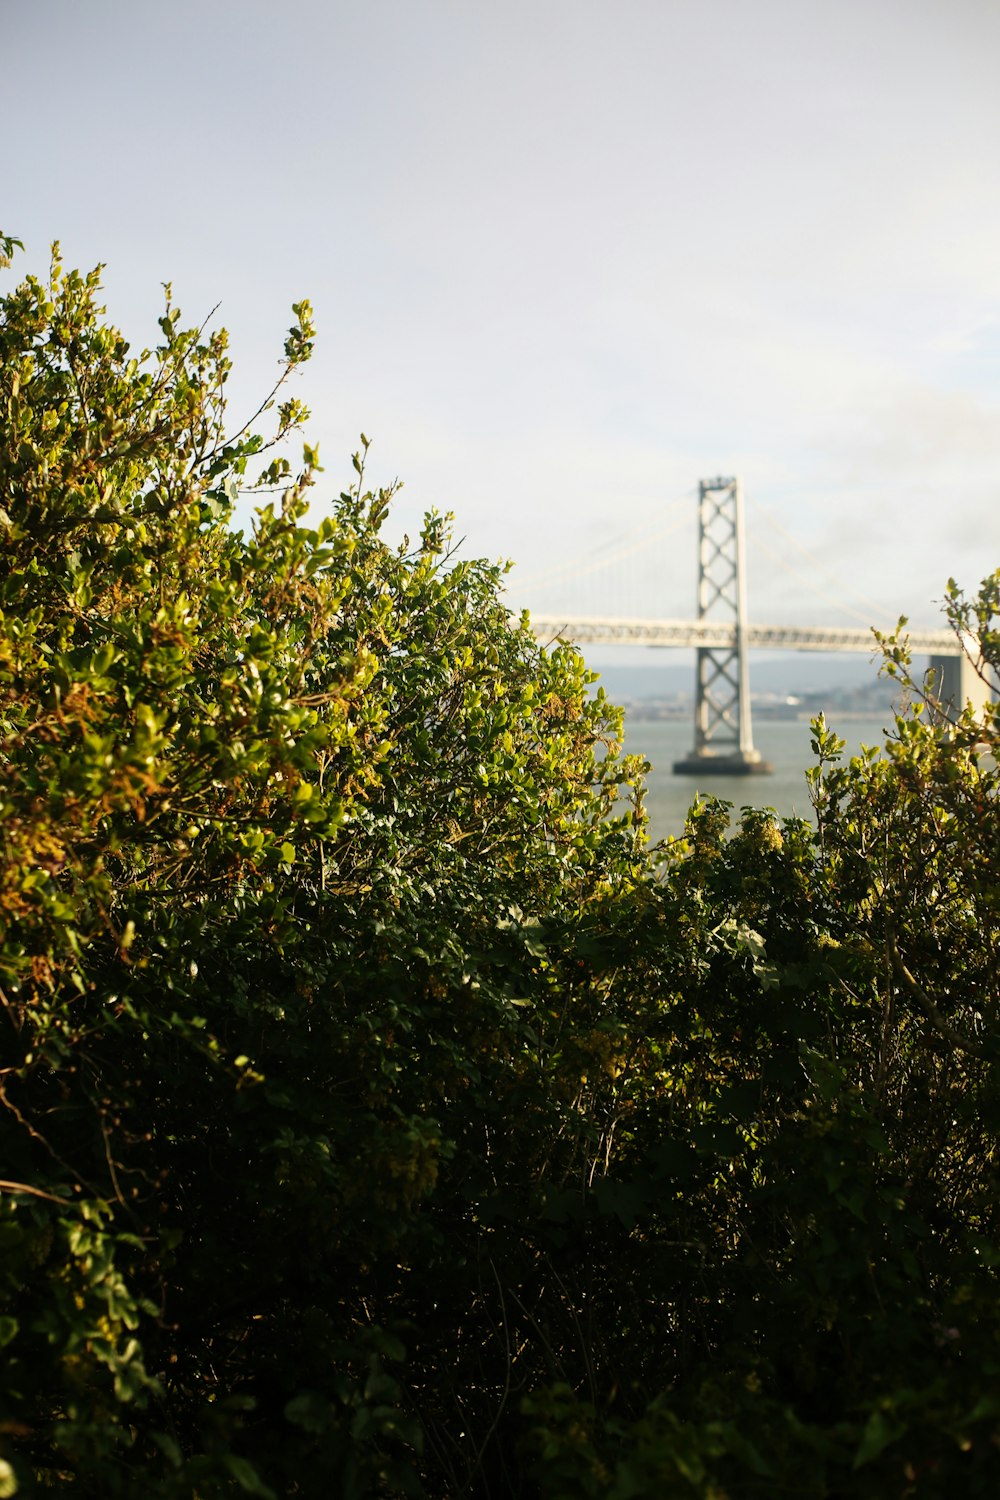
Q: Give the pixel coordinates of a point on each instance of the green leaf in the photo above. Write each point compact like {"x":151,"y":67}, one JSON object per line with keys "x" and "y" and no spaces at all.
{"x":247,"y":1477}
{"x":311,"y":1411}
{"x":879,"y":1432}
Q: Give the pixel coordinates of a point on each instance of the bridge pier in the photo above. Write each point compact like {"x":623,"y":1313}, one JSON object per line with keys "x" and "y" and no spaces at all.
{"x":953,"y":682}
{"x":723,"y":734}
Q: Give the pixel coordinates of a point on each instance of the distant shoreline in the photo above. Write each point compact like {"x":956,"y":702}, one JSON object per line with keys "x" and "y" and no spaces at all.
{"x":645,"y":713}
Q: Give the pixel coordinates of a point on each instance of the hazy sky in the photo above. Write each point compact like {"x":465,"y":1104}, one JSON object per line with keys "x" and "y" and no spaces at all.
{"x":569,"y":256}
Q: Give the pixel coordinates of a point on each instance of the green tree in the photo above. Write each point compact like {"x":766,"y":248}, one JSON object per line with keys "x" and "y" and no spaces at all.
{"x":378,"y":1115}
{"x":281,"y":816}
{"x":813,"y":1181}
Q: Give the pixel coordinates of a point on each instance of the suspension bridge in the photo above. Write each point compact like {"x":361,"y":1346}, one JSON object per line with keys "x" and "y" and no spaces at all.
{"x":723,"y":636}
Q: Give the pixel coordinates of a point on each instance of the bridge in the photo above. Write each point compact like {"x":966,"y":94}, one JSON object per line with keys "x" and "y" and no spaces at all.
{"x":722,"y":637}
{"x":598,"y":630}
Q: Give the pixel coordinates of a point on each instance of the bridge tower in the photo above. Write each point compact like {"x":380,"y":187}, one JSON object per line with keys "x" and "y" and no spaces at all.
{"x":723,"y":736}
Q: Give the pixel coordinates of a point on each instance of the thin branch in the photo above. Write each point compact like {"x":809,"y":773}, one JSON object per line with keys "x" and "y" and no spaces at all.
{"x":24,"y":1187}
{"x":505,"y":1394}
{"x":930,"y":1010}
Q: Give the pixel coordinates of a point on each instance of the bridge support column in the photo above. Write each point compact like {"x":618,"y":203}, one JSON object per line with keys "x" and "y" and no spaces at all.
{"x":723,"y":737}
{"x":955,"y":682}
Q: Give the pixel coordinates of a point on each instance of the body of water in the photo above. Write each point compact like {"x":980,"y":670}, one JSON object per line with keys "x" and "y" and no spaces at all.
{"x":785,"y":743}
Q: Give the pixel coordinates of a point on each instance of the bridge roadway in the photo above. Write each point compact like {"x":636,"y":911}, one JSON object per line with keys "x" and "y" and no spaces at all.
{"x":606,"y":631}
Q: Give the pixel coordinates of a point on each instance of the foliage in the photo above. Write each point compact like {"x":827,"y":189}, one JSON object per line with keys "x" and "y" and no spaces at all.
{"x":815,"y":1235}
{"x":380,"y":1116}
{"x":277,"y":815}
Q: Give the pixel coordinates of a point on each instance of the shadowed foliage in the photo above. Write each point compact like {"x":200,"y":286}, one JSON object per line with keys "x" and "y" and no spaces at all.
{"x":378,"y":1115}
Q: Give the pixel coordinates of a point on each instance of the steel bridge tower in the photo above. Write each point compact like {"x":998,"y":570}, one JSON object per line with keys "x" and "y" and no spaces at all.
{"x":723,"y":736}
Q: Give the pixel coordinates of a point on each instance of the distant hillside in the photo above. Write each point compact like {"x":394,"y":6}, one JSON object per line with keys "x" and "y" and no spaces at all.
{"x":821,"y":680}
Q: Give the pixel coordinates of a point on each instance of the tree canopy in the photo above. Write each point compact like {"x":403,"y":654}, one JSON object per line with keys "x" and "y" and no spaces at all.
{"x":380,"y":1115}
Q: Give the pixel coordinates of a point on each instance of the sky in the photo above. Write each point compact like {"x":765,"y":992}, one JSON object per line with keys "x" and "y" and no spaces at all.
{"x":567,"y":257}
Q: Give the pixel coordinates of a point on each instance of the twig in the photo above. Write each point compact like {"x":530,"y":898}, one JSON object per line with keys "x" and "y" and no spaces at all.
{"x":24,"y":1187}
{"x":930,"y":1010}
{"x":505,"y":1395}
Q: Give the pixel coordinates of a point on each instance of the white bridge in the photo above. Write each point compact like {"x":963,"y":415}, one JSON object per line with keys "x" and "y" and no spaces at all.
{"x":596,"y":630}
{"x":723,"y":636}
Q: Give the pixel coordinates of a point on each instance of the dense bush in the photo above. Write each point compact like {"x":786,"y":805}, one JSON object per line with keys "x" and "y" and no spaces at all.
{"x":379,"y":1115}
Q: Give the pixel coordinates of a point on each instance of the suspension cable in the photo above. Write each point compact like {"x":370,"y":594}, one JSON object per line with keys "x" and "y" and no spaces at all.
{"x":814,"y":562}
{"x":811,"y":584}
{"x":579,"y":567}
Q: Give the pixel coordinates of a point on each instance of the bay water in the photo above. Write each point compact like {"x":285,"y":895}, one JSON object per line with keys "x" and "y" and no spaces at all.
{"x":783,"y":742}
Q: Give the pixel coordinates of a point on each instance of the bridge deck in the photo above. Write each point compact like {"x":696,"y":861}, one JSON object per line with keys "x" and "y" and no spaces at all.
{"x":595,"y":630}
